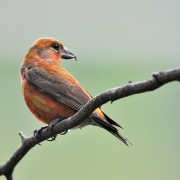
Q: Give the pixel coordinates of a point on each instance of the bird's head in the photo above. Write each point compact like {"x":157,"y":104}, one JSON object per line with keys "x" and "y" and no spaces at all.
{"x":51,"y":50}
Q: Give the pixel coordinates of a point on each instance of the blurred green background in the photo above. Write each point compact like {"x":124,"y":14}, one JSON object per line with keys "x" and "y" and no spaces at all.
{"x":115,"y":41}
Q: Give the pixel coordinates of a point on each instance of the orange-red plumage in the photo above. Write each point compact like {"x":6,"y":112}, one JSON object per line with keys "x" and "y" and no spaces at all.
{"x":51,"y":92}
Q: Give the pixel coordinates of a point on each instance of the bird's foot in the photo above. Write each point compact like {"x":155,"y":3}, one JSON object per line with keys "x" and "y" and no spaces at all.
{"x":53,"y":138}
{"x":53,"y":123}
{"x":63,"y":133}
{"x":37,"y":133}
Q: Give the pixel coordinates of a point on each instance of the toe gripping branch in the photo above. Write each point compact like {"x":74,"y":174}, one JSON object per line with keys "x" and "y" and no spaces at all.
{"x":37,"y":132}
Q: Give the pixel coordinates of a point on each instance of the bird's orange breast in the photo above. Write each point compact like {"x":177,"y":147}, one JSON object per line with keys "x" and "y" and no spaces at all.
{"x":42,"y":106}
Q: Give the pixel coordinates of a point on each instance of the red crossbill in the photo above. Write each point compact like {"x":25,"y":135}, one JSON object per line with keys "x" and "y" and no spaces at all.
{"x":50,"y":92}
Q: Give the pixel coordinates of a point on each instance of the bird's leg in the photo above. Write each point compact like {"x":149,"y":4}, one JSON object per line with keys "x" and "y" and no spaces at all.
{"x":37,"y":132}
{"x":52,"y":124}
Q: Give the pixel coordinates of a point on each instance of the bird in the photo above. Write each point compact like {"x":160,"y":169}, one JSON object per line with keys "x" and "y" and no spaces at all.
{"x":51,"y":92}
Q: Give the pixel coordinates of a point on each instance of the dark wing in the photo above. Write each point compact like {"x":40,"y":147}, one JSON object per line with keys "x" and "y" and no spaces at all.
{"x":72,"y":94}
{"x":57,"y":87}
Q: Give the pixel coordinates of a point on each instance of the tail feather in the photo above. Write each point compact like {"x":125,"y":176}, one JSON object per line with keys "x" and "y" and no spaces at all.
{"x":110,"y":128}
{"x":121,"y":137}
{"x":111,"y":121}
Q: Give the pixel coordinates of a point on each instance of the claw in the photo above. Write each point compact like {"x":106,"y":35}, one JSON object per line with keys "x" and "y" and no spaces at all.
{"x":52,"y":124}
{"x":37,"y":133}
{"x":55,"y":121}
{"x":63,"y":133}
{"x":53,"y":138}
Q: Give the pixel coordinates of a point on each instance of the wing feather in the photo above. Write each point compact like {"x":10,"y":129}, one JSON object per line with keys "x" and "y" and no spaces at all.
{"x":61,"y":86}
{"x":56,"y":87}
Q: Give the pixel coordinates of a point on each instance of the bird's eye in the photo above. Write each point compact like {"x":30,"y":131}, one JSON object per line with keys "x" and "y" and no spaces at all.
{"x":55,"y":46}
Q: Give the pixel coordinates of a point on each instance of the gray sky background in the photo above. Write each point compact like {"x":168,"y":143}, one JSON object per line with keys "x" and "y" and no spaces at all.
{"x":141,"y":30}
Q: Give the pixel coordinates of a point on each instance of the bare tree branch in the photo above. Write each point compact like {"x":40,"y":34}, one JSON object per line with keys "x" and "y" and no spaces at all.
{"x":113,"y":94}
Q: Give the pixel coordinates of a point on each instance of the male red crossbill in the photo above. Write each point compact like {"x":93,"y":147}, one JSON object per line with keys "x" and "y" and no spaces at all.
{"x":50,"y":92}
